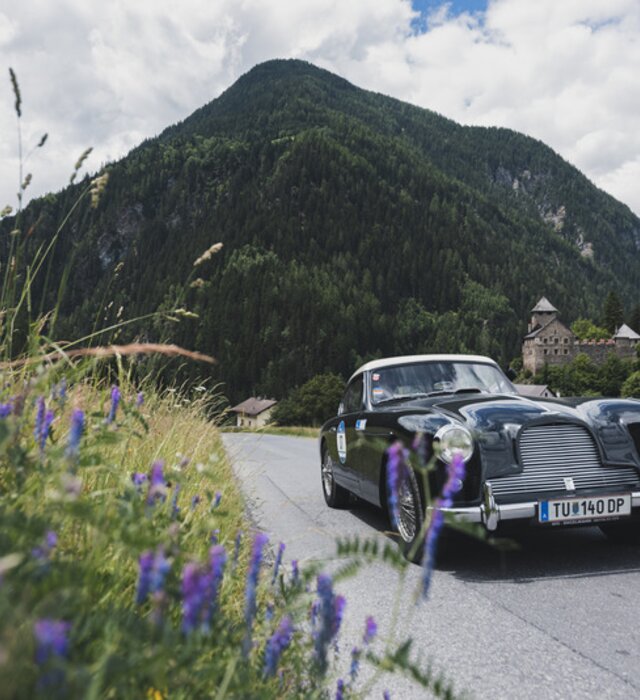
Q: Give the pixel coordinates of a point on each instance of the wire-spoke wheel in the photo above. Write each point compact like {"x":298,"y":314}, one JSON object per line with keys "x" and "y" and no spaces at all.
{"x":410,"y":517}
{"x":336,"y":496}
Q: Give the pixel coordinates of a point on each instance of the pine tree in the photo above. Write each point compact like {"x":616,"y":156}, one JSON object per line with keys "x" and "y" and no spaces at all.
{"x":613,"y":314}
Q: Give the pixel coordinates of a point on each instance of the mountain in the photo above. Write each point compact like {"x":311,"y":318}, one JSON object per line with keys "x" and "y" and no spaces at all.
{"x":354,"y":225}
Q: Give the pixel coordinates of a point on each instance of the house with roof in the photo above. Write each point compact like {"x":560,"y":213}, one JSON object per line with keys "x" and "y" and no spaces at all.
{"x":535,"y":391}
{"x":254,"y":412}
{"x":550,"y":342}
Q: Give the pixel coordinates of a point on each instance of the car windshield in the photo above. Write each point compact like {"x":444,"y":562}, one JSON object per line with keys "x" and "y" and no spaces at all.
{"x":438,"y":377}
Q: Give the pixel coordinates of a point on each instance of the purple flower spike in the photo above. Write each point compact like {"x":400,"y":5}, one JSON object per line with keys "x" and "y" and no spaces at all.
{"x":276,"y":644}
{"x":37,"y":430}
{"x":259,"y":543}
{"x":139,"y":399}
{"x":195,"y":584}
{"x":276,"y":566}
{"x":115,"y":402}
{"x":75,"y":433}
{"x":295,"y":572}
{"x":42,"y":552}
{"x":217,"y":561}
{"x":340,"y":689}
{"x":153,"y":570}
{"x":386,"y":695}
{"x":139,"y":479}
{"x":355,"y":664}
{"x":6,"y":409}
{"x":194,"y":502}
{"x":397,"y":456}
{"x":216,"y":500}
{"x":330,"y":611}
{"x":157,"y":486}
{"x":45,"y":429}
{"x":213,"y":538}
{"x":370,"y":630}
{"x":51,"y":639}
{"x":455,"y":476}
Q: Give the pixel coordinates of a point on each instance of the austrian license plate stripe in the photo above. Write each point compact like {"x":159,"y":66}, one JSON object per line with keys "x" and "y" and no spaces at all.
{"x":585,"y":508}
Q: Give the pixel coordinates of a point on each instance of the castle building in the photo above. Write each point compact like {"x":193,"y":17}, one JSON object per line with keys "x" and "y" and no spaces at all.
{"x":550,"y":342}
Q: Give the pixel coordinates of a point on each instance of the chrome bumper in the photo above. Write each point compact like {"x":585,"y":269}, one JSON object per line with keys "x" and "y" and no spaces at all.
{"x":489,"y":513}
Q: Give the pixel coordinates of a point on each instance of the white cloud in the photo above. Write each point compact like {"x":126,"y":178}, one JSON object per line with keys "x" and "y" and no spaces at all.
{"x":111,"y":74}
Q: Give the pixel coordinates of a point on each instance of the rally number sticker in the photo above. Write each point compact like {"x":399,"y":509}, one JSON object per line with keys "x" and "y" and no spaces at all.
{"x":341,"y":442}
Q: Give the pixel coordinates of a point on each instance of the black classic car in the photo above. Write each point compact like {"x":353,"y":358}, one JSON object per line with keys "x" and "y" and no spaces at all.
{"x":544,"y":462}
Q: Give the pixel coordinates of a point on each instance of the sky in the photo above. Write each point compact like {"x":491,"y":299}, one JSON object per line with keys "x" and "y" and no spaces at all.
{"x":110,"y":74}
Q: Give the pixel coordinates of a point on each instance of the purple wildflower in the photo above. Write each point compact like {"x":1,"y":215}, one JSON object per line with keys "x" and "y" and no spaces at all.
{"x":153,"y":570}
{"x":455,"y":475}
{"x":75,"y":433}
{"x":217,"y":562}
{"x":51,"y":639}
{"x":340,"y":689}
{"x":213,"y":538}
{"x":194,"y":502}
{"x":43,"y":552}
{"x":330,"y":611}
{"x":139,"y":399}
{"x":268,"y":613}
{"x":157,"y":486}
{"x":276,"y":566}
{"x":370,"y":630}
{"x":37,"y":430}
{"x":62,"y":392}
{"x":195,"y":583}
{"x":6,"y":409}
{"x":397,"y":456}
{"x":295,"y":572}
{"x":216,"y":500}
{"x":355,"y":663}
{"x":276,"y":644}
{"x":115,"y":402}
{"x":386,"y":695}
{"x":139,"y":479}
{"x":175,"y":508}
{"x":45,"y":429}
{"x":259,"y":543}
{"x":422,"y":448}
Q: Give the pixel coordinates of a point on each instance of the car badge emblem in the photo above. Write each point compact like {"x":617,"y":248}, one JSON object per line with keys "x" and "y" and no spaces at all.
{"x":568,"y":483}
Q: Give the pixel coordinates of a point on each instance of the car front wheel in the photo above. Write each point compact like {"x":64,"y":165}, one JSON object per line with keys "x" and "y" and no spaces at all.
{"x":410,"y":518}
{"x":336,"y":496}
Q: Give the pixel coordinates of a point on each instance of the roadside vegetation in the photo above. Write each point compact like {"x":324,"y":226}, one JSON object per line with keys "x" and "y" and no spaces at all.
{"x":127,"y":566}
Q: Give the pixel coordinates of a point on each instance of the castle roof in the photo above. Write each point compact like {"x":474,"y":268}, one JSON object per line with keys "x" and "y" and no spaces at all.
{"x":544,"y":306}
{"x":627,"y":333}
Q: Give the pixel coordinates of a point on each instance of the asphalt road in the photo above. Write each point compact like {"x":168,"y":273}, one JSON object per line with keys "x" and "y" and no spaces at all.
{"x":557,"y":618}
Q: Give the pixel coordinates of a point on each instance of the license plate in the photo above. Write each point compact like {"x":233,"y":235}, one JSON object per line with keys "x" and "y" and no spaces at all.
{"x":585,"y":508}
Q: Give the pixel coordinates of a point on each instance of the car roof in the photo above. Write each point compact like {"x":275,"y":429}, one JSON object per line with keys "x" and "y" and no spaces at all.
{"x":413,"y":359}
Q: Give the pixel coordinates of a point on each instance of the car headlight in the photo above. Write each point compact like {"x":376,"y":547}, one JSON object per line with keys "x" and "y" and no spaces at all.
{"x":454,"y":439}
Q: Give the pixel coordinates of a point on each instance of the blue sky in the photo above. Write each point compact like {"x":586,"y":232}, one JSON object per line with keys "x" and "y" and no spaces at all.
{"x":456,"y":7}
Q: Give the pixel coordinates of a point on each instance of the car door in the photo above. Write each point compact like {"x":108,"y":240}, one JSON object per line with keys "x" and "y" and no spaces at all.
{"x":346,"y":438}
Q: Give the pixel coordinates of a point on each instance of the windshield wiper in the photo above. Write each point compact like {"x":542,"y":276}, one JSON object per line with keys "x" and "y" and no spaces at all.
{"x":404,"y":397}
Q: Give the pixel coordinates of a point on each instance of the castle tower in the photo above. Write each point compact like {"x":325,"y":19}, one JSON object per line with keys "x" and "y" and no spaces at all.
{"x":541,"y":314}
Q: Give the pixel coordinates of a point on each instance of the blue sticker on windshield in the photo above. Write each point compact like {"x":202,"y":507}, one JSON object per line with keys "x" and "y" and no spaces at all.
{"x":341,"y":442}
{"x":361,"y":424}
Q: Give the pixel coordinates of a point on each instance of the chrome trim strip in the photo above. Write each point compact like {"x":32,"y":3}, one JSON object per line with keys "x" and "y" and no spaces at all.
{"x":509,"y":511}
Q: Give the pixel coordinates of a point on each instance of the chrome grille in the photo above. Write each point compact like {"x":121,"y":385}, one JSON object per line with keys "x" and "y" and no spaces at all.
{"x":550,"y":453}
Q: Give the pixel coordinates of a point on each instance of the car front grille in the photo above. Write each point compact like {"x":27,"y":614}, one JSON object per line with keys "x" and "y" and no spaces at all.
{"x":551,"y":453}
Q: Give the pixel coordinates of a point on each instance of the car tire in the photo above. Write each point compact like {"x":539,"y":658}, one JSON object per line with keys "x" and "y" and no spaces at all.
{"x":622,"y":532}
{"x":411,"y":518}
{"x":335,"y":495}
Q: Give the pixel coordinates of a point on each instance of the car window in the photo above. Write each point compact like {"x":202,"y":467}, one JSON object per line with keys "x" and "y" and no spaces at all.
{"x":352,"y":400}
{"x":437,"y":377}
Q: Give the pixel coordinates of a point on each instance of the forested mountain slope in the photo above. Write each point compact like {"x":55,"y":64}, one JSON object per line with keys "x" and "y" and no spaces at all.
{"x":353,"y":225}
